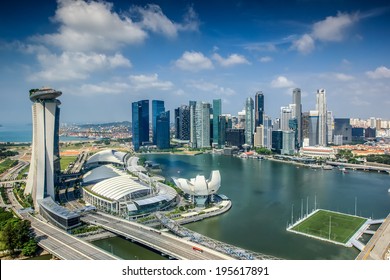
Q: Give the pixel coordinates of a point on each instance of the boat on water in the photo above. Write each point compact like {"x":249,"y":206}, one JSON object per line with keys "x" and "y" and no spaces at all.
{"x":343,"y":170}
{"x":327,"y":167}
{"x":388,"y":190}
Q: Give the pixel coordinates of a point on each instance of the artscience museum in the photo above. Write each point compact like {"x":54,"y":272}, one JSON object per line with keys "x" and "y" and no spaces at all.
{"x":200,"y":190}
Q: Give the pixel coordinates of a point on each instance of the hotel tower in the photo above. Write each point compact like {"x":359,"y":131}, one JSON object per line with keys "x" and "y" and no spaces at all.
{"x":45,"y":159}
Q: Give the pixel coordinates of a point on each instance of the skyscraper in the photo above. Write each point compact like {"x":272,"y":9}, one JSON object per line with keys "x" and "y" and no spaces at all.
{"x":329,"y":126}
{"x":192,"y":124}
{"x":202,"y":124}
{"x":288,"y":143}
{"x":182,"y":122}
{"x":313,"y":128}
{"x":285,"y":116}
{"x":162,"y":130}
{"x":343,"y":128}
{"x":298,"y":113}
{"x":259,"y":108}
{"x":157,"y":109}
{"x":140,"y":123}
{"x":45,"y":157}
{"x":258,"y":138}
{"x":277,"y":141}
{"x":249,"y":121}
{"x":267,"y":132}
{"x":217,"y":111}
{"x":322,"y":117}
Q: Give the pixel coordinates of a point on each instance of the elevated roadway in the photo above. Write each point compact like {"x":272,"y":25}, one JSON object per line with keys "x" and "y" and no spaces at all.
{"x":379,"y":244}
{"x":63,"y":245}
{"x":360,"y":166}
{"x":163,"y":242}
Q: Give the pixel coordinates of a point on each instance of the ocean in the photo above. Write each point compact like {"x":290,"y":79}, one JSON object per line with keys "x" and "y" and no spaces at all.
{"x":22,"y":133}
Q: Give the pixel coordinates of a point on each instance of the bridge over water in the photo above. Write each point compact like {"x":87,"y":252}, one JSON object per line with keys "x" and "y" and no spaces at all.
{"x":165,"y":243}
{"x":233,"y":251}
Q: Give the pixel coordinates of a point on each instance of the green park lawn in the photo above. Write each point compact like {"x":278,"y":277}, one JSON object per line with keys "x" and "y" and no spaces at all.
{"x":65,"y":160}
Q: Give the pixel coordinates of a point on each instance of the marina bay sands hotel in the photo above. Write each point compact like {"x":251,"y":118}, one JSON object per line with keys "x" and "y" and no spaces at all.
{"x":45,"y":158}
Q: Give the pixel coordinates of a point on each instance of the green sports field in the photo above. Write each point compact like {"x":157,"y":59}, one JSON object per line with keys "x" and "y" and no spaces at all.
{"x":342,"y":227}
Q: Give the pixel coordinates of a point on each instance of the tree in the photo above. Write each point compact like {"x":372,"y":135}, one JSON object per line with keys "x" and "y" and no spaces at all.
{"x":30,"y":247}
{"x":263,"y":151}
{"x":15,"y":234}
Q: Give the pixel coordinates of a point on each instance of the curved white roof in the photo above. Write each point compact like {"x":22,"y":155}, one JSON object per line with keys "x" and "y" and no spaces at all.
{"x":199,"y":185}
{"x":112,"y":156}
{"x":100,"y":173}
{"x":118,"y":187}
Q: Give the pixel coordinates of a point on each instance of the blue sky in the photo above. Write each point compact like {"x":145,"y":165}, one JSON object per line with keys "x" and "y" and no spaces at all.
{"x":104,"y":55}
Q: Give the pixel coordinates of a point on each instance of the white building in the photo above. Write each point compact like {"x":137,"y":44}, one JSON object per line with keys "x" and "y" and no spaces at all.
{"x":198,"y":189}
{"x":321,"y":152}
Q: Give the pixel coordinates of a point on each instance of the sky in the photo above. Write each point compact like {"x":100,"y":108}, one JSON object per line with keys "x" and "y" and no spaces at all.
{"x":104,"y":55}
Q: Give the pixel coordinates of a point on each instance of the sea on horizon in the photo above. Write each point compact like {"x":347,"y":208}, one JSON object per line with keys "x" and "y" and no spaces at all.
{"x":22,"y":133}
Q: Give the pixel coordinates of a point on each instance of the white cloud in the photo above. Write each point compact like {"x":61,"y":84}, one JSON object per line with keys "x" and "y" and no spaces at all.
{"x":142,"y":82}
{"x":152,"y":18}
{"x":343,"y":77}
{"x":213,"y":88}
{"x":231,"y":60}
{"x":190,"y":21}
{"x":86,"y":26}
{"x":265,"y":59}
{"x":194,"y":61}
{"x":378,"y":73}
{"x":102,"y":88}
{"x":304,"y":45}
{"x":333,"y":28}
{"x":269,"y":47}
{"x":75,"y":65}
{"x":357,"y":101}
{"x":282,"y":82}
{"x":90,"y":89}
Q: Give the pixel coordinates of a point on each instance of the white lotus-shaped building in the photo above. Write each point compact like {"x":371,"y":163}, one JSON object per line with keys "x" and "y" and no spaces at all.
{"x":199,"y":189}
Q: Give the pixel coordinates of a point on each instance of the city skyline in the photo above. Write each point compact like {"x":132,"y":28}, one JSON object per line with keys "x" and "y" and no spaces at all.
{"x":192,"y":51}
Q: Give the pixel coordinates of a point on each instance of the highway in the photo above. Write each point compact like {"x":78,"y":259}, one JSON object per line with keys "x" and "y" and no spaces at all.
{"x":163,"y":242}
{"x":379,"y":243}
{"x":64,"y":245}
